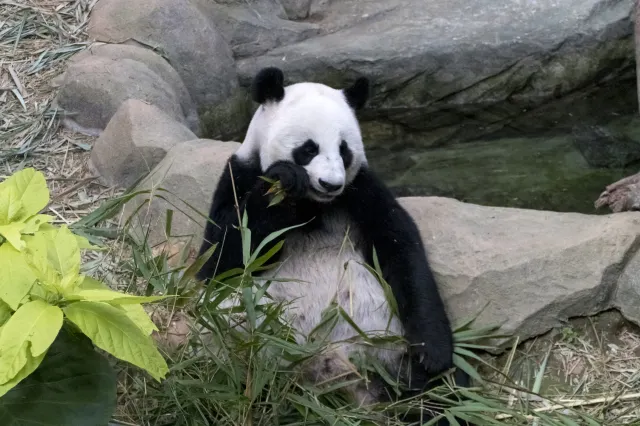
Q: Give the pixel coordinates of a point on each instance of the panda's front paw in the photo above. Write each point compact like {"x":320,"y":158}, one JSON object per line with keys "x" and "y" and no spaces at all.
{"x":293,"y":179}
{"x":435,"y":353}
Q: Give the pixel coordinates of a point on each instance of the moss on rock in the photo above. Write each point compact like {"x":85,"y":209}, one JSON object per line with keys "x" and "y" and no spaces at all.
{"x":229,"y":119}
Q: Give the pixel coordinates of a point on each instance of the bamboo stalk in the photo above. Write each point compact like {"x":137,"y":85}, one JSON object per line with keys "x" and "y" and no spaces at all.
{"x":577,"y":403}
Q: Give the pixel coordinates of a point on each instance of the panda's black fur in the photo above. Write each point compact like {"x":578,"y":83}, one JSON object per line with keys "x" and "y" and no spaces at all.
{"x":382,"y":223}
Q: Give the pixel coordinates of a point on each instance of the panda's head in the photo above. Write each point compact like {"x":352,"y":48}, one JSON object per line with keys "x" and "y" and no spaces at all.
{"x":310,"y":124}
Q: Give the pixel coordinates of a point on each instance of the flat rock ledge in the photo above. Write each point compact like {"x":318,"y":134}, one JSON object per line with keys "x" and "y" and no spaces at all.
{"x":530,"y":270}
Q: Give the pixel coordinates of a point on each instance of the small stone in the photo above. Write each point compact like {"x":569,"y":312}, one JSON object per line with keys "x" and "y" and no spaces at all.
{"x":136,"y":139}
{"x":186,"y":178}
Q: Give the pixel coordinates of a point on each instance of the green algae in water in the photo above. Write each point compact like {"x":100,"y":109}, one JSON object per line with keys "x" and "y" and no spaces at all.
{"x":546,"y":173}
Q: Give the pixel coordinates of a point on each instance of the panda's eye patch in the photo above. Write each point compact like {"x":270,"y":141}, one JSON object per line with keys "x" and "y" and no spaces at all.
{"x":303,"y":154}
{"x":346,"y":154}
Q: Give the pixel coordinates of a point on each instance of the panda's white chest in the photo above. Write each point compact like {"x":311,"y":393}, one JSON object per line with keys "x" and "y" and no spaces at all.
{"x":324,"y":266}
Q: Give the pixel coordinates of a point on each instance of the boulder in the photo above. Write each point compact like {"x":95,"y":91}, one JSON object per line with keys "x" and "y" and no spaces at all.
{"x":453,"y":58}
{"x":94,"y":87}
{"x":136,"y":139}
{"x":615,"y":145}
{"x":627,"y":296}
{"x":530,"y":270}
{"x":256,"y":29}
{"x":155,"y":63}
{"x":176,"y":28}
{"x":184,"y":181}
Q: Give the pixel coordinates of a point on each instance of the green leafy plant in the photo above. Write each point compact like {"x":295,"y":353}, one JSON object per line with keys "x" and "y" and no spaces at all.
{"x":239,"y":368}
{"x":43,"y":290}
{"x":275,"y":189}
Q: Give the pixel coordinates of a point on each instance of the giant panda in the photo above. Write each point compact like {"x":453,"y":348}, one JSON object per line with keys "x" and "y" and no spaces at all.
{"x":306,"y":135}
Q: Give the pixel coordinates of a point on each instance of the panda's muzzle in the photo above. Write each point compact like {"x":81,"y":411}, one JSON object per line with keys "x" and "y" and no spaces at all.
{"x":330,"y":187}
{"x":324,"y":191}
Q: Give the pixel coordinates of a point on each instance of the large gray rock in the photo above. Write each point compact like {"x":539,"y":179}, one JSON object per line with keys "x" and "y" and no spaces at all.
{"x":184,"y":182}
{"x":448,"y":58}
{"x":531,"y":269}
{"x":253,"y":29}
{"x":94,"y":87}
{"x":136,"y":139}
{"x":637,"y":46}
{"x":177,"y":29}
{"x":93,"y":110}
{"x":627,"y":295}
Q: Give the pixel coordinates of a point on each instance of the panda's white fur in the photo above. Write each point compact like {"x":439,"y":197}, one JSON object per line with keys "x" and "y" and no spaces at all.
{"x":348,"y":212}
{"x":326,"y":260}
{"x":308,"y":111}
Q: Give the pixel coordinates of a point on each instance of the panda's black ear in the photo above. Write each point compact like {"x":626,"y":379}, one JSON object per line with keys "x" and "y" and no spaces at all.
{"x":358,"y":93}
{"x":268,"y":85}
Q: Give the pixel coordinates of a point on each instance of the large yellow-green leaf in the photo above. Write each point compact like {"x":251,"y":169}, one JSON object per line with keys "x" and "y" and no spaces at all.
{"x":10,"y":205}
{"x":12,"y":232}
{"x":63,"y":251}
{"x":112,"y":330}
{"x":5,"y":312}
{"x":36,"y":258}
{"x":135,"y":312}
{"x":34,"y":325}
{"x":74,"y":386}
{"x":16,"y":278}
{"x":83,"y":243}
{"x":30,"y":188}
{"x":90,"y":283}
{"x":55,"y":256}
{"x":12,"y":360}
{"x":112,"y":297}
{"x":30,"y":366}
{"x":34,"y":223}
{"x":139,"y":316}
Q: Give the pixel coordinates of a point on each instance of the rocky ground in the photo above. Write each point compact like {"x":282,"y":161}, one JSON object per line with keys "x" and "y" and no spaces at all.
{"x":147,"y":81}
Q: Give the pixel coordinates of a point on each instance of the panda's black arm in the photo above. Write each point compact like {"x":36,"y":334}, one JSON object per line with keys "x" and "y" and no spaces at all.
{"x":389,"y":228}
{"x":223,"y":217}
{"x":263,"y":220}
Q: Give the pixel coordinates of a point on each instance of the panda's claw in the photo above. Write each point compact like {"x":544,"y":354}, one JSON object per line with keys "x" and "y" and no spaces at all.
{"x":434,"y":353}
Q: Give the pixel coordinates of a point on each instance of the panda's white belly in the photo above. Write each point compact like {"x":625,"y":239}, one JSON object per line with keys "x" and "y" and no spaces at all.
{"x":324,"y":266}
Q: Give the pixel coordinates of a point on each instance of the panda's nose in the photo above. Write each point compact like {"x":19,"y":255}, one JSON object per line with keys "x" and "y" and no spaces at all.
{"x":330,"y":187}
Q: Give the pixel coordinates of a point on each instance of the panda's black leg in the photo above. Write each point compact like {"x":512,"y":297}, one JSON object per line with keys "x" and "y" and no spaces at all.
{"x":389,"y":229}
{"x":420,"y":382}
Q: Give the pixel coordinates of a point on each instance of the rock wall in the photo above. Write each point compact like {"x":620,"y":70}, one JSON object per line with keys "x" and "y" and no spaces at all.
{"x":448,"y":59}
